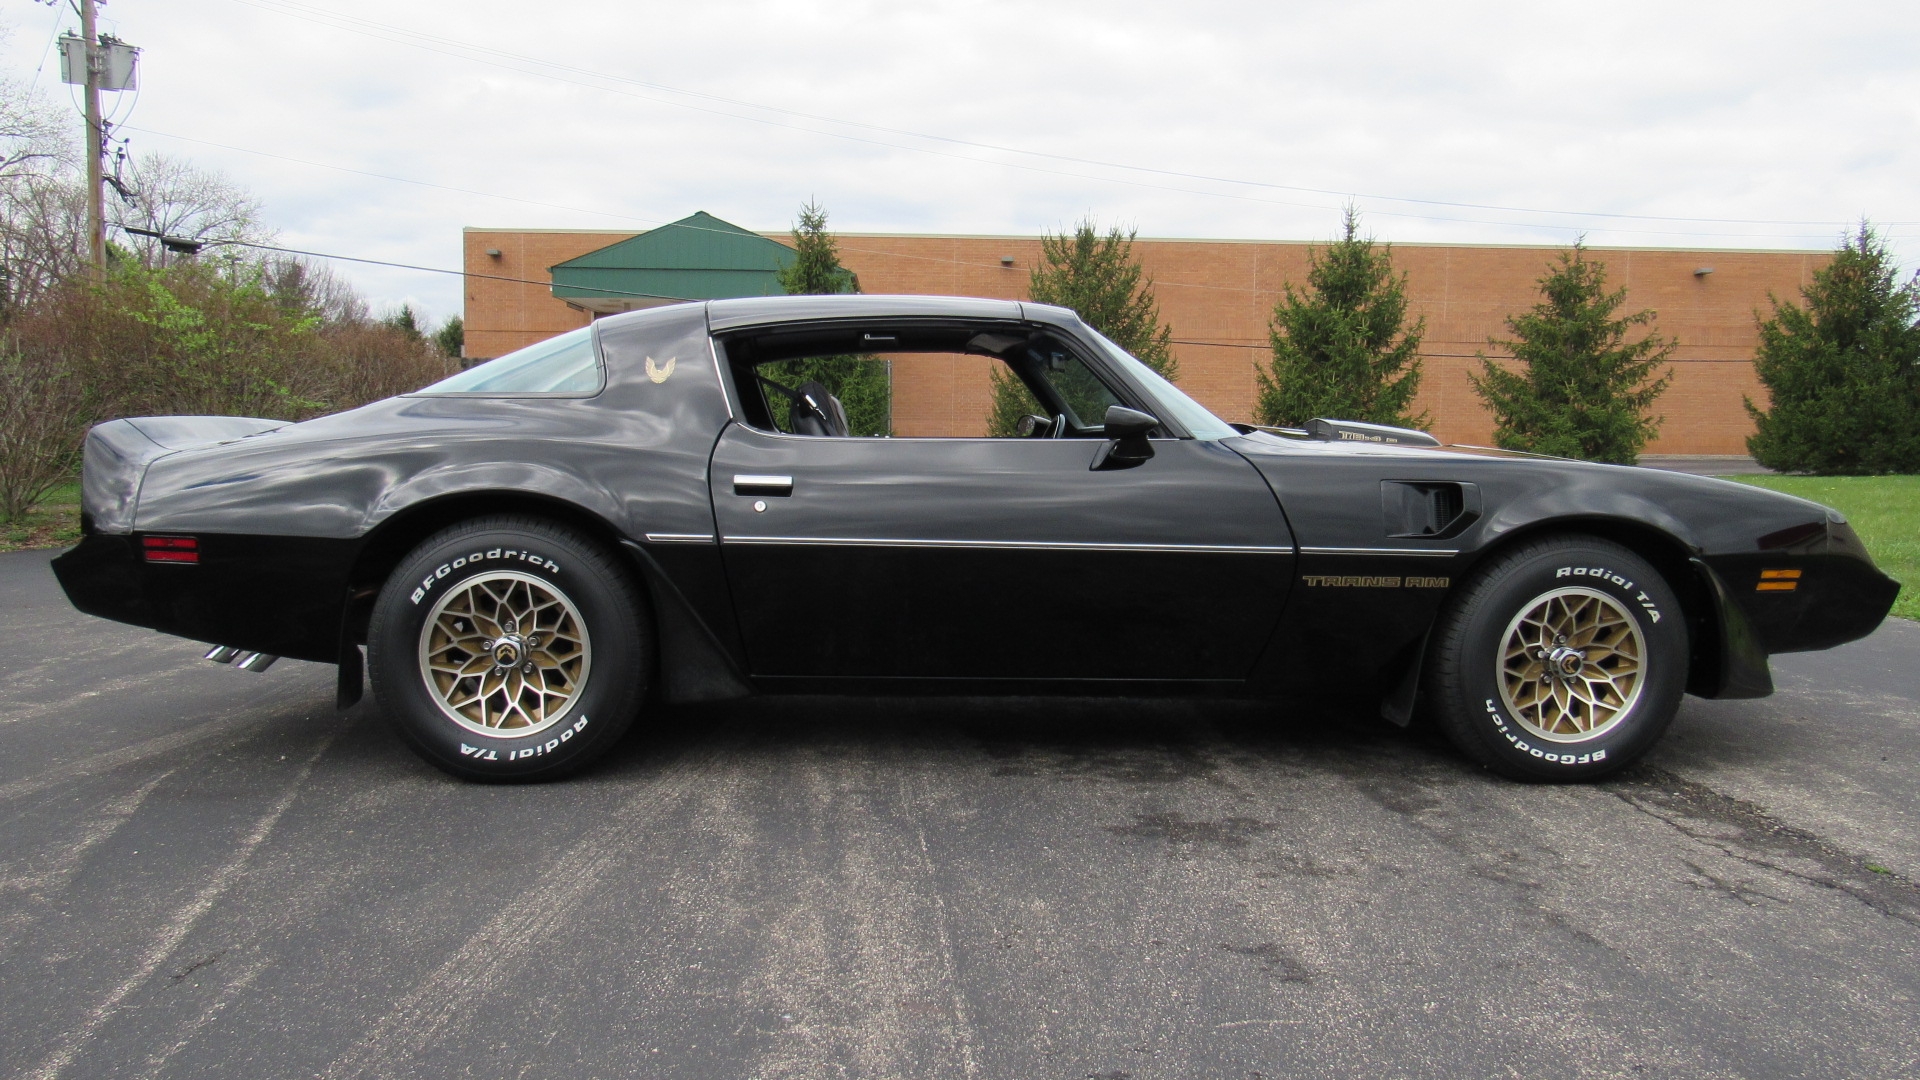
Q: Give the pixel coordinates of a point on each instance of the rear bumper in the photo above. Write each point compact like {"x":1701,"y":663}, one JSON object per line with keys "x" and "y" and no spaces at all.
{"x":278,"y":595}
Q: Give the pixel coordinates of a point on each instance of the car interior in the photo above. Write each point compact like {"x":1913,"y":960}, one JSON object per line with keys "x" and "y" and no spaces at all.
{"x":935,"y":369}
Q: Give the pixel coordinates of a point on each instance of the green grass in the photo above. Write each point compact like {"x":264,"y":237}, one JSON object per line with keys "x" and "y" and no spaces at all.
{"x":1884,"y":510}
{"x":54,"y":523}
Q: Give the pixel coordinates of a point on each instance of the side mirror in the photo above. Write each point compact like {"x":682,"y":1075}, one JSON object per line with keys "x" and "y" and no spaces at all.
{"x":1126,"y":430}
{"x":1125,"y":423}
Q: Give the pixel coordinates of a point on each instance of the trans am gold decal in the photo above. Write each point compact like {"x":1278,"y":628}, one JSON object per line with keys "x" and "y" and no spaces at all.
{"x":1325,"y":581}
{"x":659,"y":374}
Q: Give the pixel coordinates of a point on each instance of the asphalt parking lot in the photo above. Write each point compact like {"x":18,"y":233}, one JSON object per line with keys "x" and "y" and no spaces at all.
{"x":205,"y":872}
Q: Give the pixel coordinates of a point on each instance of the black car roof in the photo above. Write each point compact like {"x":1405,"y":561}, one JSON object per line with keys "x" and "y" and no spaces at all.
{"x":756,"y":310}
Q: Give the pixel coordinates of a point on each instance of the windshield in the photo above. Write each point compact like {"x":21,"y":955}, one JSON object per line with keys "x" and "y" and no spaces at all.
{"x":1179,"y":407}
{"x":558,"y":365}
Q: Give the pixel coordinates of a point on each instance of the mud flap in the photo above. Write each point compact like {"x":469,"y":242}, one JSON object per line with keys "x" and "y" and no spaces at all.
{"x":1397,"y":707}
{"x":352,"y":681}
{"x":1743,"y":668}
{"x":694,"y":666}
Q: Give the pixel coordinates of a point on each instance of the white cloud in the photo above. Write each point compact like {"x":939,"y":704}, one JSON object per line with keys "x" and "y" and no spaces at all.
{"x":1766,"y":111}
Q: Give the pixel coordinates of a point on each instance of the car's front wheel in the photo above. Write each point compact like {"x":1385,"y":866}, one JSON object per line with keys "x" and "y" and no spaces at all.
{"x":1564,"y":659}
{"x":509,"y":648}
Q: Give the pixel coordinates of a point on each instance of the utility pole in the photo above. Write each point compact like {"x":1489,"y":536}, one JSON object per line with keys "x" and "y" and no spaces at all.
{"x":96,"y":150}
{"x":95,"y":63}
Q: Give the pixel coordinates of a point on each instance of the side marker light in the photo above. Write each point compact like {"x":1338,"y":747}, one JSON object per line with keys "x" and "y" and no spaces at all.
{"x":1778,"y":581}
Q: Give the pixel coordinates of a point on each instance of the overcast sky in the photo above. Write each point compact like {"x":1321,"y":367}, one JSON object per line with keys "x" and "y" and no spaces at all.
{"x":380,"y":129}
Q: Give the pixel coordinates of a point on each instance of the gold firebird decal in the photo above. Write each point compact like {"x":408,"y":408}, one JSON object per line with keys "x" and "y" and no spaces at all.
{"x":659,"y":374}
{"x":1325,"y":581}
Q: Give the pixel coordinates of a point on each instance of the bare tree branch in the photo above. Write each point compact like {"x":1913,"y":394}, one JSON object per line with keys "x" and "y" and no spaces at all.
{"x":178,"y":198}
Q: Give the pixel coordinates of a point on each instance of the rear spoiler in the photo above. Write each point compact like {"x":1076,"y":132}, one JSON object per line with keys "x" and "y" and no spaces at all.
{"x":118,"y":452}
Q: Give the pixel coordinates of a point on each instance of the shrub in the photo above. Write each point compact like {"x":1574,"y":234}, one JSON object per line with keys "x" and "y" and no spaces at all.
{"x":44,"y":411}
{"x":198,"y":339}
{"x":187,"y":339}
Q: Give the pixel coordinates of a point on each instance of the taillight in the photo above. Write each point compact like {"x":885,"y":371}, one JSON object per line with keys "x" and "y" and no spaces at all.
{"x":171,"y":549}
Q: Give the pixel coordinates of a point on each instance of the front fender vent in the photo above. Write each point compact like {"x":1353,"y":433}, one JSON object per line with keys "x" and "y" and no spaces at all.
{"x":1428,"y":509}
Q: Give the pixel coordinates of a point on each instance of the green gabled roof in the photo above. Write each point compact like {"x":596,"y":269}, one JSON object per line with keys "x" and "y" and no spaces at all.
{"x":696,"y":258}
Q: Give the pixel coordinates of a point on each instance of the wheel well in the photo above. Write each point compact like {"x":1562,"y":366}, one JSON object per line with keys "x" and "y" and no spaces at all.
{"x":1667,"y":555}
{"x":393,"y":538}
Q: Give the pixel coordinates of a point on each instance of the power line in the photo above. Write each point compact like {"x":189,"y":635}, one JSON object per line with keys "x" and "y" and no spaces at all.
{"x":692,"y":300}
{"x":464,"y":50}
{"x":844,"y":244}
{"x":440,"y":270}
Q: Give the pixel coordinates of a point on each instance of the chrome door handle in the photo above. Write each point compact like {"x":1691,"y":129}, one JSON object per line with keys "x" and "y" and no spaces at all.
{"x":750,"y":484}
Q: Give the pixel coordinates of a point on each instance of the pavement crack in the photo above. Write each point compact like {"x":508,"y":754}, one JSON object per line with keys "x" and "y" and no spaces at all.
{"x":1229,"y":832}
{"x":205,"y":961}
{"x":1705,"y":880}
{"x":1763,"y":841}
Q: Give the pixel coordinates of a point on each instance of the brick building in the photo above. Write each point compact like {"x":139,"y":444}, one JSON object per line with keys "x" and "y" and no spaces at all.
{"x":1217,"y":295}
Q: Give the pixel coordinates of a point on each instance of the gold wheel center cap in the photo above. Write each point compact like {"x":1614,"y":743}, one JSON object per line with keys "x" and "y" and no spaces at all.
{"x":506,"y":653}
{"x":1566,"y":661}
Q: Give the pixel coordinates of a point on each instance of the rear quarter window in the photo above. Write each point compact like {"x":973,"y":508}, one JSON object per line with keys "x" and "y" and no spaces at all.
{"x":567,"y":364}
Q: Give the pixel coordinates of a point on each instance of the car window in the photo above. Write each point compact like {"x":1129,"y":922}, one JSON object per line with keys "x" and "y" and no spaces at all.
{"x":1082,"y":395}
{"x":933,"y":395}
{"x":919,"y":379}
{"x":849,"y":395}
{"x":559,"y":365}
{"x":1174,"y":404}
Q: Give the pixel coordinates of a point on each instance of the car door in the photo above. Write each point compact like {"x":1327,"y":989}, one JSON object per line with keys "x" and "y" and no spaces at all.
{"x":994,"y":558}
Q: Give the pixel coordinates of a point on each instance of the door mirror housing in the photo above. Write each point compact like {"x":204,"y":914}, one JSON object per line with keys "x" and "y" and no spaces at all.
{"x":1123,"y":423}
{"x":1126,"y":446}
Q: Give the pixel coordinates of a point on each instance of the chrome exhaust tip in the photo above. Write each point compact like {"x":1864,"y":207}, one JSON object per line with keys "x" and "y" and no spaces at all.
{"x":222,"y":654}
{"x":256,"y":662}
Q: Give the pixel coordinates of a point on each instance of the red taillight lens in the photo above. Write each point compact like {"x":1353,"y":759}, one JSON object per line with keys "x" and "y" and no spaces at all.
{"x":171,"y":549}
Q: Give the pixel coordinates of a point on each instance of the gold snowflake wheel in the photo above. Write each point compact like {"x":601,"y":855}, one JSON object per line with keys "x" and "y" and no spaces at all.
{"x":505,"y":654}
{"x":1572,"y":664}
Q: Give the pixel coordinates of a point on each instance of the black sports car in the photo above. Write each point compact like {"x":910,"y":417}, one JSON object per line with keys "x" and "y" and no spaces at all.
{"x":665,"y":506}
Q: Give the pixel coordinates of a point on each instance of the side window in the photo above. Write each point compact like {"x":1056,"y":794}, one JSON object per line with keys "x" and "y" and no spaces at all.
{"x":1084,"y":397}
{"x":848,"y":395}
{"x":1007,"y":384}
{"x":559,"y":365}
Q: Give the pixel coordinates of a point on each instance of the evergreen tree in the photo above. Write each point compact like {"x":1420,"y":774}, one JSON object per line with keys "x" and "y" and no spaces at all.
{"x":1342,"y":348}
{"x":816,"y":269}
{"x":1097,"y":277}
{"x":406,"y":322}
{"x":1843,"y":371}
{"x":1583,"y":390}
{"x":860,"y":382}
{"x":452,"y":336}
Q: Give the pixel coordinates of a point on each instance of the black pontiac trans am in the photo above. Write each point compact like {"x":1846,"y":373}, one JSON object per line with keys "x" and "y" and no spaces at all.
{"x":522,"y":557}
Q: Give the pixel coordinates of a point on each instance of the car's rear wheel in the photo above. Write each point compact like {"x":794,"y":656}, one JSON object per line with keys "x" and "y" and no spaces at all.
{"x":510,"y":648}
{"x":1564,"y":659}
